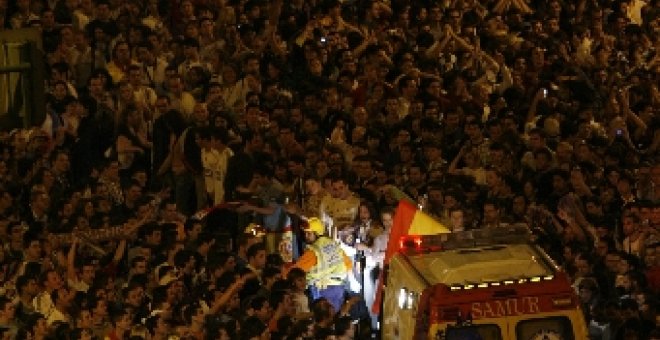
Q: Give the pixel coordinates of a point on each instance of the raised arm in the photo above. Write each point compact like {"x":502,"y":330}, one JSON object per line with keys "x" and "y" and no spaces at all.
{"x":233,"y":289}
{"x":531,"y":113}
{"x":71,"y":274}
{"x":453,"y":167}
{"x":439,"y":45}
{"x":629,"y":114}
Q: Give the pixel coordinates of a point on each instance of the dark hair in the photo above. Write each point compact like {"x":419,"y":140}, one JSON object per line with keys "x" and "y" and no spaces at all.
{"x":321,"y":309}
{"x":21,"y":282}
{"x":258,"y":302}
{"x":254,"y":249}
{"x":117,"y":314}
{"x":342,"y":325}
{"x":295,"y":273}
{"x":252,"y":327}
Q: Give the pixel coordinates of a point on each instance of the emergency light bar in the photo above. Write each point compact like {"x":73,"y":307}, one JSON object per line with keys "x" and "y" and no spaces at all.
{"x":419,"y":243}
{"x":533,"y":279}
{"x":512,"y":234}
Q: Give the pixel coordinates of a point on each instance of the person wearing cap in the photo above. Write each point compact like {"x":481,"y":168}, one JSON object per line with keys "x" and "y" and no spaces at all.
{"x":325,"y":263}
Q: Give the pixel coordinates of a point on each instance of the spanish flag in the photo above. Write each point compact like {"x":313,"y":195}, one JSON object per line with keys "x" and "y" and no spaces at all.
{"x":408,"y":220}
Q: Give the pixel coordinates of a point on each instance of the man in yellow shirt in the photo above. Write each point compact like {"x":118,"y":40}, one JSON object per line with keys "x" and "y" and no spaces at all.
{"x":325,"y":263}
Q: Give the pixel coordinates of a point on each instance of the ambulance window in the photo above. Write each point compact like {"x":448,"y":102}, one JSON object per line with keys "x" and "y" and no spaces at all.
{"x":475,"y":332}
{"x":555,"y":328}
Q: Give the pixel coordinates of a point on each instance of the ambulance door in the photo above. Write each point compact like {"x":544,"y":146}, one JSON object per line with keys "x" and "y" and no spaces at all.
{"x":556,"y":327}
{"x":487,"y":331}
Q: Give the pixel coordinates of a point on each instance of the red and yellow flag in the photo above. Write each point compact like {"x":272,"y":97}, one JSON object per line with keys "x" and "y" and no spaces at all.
{"x":408,"y":220}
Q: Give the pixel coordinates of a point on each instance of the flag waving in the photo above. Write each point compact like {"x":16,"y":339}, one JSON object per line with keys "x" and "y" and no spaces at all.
{"x":408,"y":220}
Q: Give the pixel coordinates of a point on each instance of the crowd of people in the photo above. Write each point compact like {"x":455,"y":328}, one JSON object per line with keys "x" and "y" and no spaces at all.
{"x":187,"y":142}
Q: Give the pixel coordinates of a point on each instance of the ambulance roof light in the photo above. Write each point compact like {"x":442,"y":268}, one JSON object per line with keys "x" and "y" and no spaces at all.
{"x":417,"y":242}
{"x":480,"y":238}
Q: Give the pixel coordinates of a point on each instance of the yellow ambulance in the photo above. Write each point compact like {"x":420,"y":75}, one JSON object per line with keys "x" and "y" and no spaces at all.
{"x":491,"y":284}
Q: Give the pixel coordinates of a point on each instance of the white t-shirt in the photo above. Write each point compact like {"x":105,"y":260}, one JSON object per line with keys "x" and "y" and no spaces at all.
{"x":215,"y":169}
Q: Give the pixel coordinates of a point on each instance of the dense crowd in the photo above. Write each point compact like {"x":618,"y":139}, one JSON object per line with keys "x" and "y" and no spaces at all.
{"x":185,"y":140}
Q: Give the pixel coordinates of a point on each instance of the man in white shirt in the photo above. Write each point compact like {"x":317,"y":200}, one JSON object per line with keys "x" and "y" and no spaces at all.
{"x":374,"y":261}
{"x":83,"y":281}
{"x":153,"y":67}
{"x":50,"y":281}
{"x":179,"y":99}
{"x":144,"y":96}
{"x":62,"y":299}
{"x":215,"y":157}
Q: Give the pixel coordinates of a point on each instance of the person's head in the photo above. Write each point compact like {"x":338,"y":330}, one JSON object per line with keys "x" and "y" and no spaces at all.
{"x":313,"y":229}
{"x":193,"y":227}
{"x":536,"y":139}
{"x":473,"y":129}
{"x":339,"y":187}
{"x":157,"y":325}
{"x":286,"y":135}
{"x":270,"y":275}
{"x":62,"y":298}
{"x":138,"y":265}
{"x":121,"y":53}
{"x":88,"y":271}
{"x":263,"y":175}
{"x":252,"y":64}
{"x":322,"y":310}
{"x":39,"y":200}
{"x":7,"y":310}
{"x":256,"y":256}
{"x":152,"y":234}
{"x":133,"y":191}
{"x":416,"y":174}
{"x":32,"y":247}
{"x":96,"y":86}
{"x":133,"y":293}
{"x":588,"y":290}
{"x":491,"y":211}
{"x":175,"y":84}
{"x":144,"y":53}
{"x":583,"y":265}
{"x":121,"y":320}
{"x":542,"y":159}
{"x":519,"y":205}
{"x":193,"y":314}
{"x":387,"y":217}
{"x":254,"y":329}
{"x":630,"y":224}
{"x":185,"y":260}
{"x":135,"y":76}
{"x":27,"y":285}
{"x":366,"y":211}
{"x":99,"y":307}
{"x":261,"y":308}
{"x":345,"y":328}
{"x":51,"y":280}
{"x":220,"y":262}
{"x":408,"y":87}
{"x":298,"y":279}
{"x":37,"y":326}
{"x":457,"y":218}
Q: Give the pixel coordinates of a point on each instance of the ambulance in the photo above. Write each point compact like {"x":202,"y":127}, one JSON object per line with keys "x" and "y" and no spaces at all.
{"x":491,"y":284}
